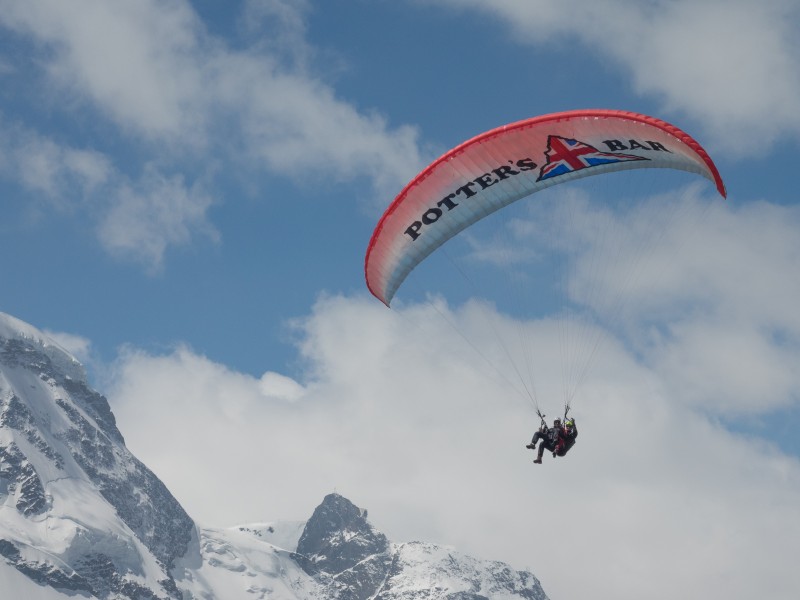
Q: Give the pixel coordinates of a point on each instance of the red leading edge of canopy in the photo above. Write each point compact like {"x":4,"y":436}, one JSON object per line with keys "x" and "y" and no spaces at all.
{"x":596,"y":113}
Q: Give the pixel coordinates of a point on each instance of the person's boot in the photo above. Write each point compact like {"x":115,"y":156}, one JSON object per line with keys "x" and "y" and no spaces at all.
{"x":531,"y":446}
{"x":538,"y":460}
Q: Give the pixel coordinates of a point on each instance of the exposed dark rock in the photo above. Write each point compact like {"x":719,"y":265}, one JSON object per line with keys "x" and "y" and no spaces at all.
{"x":338,"y":536}
{"x":20,"y":477}
{"x":42,"y":573}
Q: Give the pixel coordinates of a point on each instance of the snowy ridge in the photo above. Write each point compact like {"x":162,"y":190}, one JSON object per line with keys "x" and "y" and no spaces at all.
{"x":80,"y":516}
{"x":12,"y":328}
{"x":422,"y":569}
{"x":78,"y":511}
{"x":237,"y":564}
{"x":281,"y":534}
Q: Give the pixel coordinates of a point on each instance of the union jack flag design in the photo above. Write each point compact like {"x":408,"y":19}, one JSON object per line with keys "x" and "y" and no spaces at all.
{"x":566,"y":155}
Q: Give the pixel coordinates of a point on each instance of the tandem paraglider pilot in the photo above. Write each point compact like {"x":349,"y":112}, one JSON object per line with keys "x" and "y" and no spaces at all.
{"x":557,"y":439}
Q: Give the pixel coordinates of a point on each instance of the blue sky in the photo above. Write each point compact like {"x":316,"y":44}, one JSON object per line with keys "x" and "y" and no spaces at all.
{"x":188,"y":190}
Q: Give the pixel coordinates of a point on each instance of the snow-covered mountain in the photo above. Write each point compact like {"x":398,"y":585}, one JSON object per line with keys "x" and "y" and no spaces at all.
{"x":81,"y":517}
{"x":78,"y":512}
{"x":352,"y":561}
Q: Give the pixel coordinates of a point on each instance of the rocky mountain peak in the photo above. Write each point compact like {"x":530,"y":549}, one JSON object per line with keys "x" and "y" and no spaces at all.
{"x":338,"y":536}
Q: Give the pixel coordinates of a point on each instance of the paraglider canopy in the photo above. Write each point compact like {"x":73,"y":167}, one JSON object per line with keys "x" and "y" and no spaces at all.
{"x":503,"y":165}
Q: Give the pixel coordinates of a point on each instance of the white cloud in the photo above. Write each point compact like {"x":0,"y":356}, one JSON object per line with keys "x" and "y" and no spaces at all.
{"x":49,"y":169}
{"x":136,"y":219}
{"x":733,"y":66}
{"x":142,"y":221}
{"x":402,"y":417}
{"x":137,"y":62}
{"x":279,"y":26}
{"x":279,"y":387}
{"x":299,"y":128}
{"x":712,"y":294}
{"x":703,"y":363}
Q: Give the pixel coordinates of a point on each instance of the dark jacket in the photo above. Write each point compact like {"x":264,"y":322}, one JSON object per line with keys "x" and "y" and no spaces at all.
{"x":554,"y":434}
{"x":567,"y":440}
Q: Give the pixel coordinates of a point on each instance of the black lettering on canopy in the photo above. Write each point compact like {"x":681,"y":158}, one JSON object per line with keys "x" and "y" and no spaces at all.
{"x":616,"y":145}
{"x":472,"y":188}
{"x":658,"y":146}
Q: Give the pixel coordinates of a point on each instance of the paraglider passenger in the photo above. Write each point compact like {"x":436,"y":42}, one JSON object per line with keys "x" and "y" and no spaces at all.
{"x":567,"y":438}
{"x":550,"y":438}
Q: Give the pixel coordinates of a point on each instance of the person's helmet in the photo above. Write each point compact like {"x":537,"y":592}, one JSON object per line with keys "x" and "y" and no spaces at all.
{"x":557,"y":422}
{"x":570,"y":423}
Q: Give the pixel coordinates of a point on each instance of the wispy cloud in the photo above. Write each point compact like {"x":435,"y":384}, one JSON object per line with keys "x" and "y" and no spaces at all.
{"x":144,"y":219}
{"x":59,"y":174}
{"x":138,"y":63}
{"x":137,"y":217}
{"x":732,"y":66}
